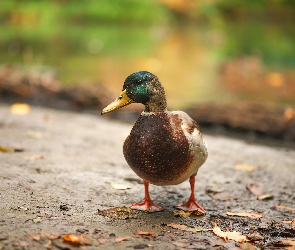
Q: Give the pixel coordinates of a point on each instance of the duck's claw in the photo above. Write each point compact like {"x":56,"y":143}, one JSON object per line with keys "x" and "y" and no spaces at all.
{"x":191,"y":205}
{"x":146,"y":205}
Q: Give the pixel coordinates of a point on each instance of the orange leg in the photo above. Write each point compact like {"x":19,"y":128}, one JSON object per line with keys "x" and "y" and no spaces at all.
{"x":147,"y":204}
{"x":191,"y":204}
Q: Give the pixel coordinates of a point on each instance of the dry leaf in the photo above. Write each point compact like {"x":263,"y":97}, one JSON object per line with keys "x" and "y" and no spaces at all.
{"x":288,"y":208}
{"x":245,"y":214}
{"x":77,"y":239}
{"x":35,"y":237}
{"x":37,"y":220}
{"x":186,"y":214}
{"x":245,"y":167}
{"x":50,"y":236}
{"x":236,"y":236}
{"x":5,"y":150}
{"x":33,"y":157}
{"x":255,"y":188}
{"x":120,"y":186}
{"x":72,"y":238}
{"x":182,"y":213}
{"x":291,"y":222}
{"x":34,"y":134}
{"x":122,"y":213}
{"x":102,"y":240}
{"x":288,"y":244}
{"x":255,"y":236}
{"x":48,"y":245}
{"x":20,"y":109}
{"x":11,"y":149}
{"x":23,"y":244}
{"x":123,"y":239}
{"x":138,"y":232}
{"x":265,"y":197}
{"x":186,"y":228}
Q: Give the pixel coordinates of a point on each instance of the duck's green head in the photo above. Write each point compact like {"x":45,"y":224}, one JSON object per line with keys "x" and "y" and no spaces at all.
{"x":140,"y":87}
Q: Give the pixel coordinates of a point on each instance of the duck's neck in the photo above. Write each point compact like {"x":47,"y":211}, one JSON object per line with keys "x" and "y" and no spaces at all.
{"x":156,"y":105}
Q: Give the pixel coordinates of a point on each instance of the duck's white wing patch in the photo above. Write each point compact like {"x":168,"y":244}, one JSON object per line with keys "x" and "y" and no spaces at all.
{"x":192,"y":131}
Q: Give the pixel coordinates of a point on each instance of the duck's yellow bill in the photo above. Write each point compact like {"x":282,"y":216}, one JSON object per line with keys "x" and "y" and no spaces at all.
{"x":120,"y":102}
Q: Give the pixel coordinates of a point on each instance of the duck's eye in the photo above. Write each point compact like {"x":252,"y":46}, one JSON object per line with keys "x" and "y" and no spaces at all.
{"x":120,"y":98}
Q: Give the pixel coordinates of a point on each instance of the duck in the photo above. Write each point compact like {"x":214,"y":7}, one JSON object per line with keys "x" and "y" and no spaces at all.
{"x":164,"y":147}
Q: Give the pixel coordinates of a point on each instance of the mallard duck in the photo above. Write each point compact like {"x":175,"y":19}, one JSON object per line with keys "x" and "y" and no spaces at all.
{"x":164,"y":147}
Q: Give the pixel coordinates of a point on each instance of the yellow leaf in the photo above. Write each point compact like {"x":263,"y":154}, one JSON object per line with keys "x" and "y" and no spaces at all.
{"x":265,"y":197}
{"x":291,"y":222}
{"x":138,"y":232}
{"x":182,"y":213}
{"x":288,"y":208}
{"x":77,"y":239}
{"x":20,"y":109}
{"x":120,"y":186}
{"x":72,"y":238}
{"x":37,"y":220}
{"x":236,"y":236}
{"x":123,"y":239}
{"x":245,"y":167}
{"x":245,"y":214}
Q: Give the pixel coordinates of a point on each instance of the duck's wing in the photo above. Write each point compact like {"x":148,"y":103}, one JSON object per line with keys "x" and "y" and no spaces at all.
{"x":191,"y":129}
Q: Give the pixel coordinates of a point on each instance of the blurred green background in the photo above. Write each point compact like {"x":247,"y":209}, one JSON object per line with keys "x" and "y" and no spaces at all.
{"x":202,"y":50}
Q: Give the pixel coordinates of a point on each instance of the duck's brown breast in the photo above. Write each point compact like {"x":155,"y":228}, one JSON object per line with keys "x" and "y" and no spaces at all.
{"x":157,"y":151}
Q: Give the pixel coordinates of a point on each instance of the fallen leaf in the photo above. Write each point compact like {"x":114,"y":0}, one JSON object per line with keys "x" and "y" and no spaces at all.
{"x":11,"y":149}
{"x":120,"y":186}
{"x":255,"y":188}
{"x":186,"y":214}
{"x":34,"y":134}
{"x":50,"y":236}
{"x":236,"y":236}
{"x":48,"y":245}
{"x":138,"y":232}
{"x":265,"y":197}
{"x":37,"y":220}
{"x":291,"y":222}
{"x":72,"y":238}
{"x":123,"y":238}
{"x":122,"y":213}
{"x":20,"y":109}
{"x":245,"y":214}
{"x":288,"y":244}
{"x":102,"y":240}
{"x":5,"y":150}
{"x":245,"y":167}
{"x":23,"y":244}
{"x":33,"y":157}
{"x":186,"y":228}
{"x":288,"y":208}
{"x":35,"y":237}
{"x":255,"y":236}
{"x":77,"y":239}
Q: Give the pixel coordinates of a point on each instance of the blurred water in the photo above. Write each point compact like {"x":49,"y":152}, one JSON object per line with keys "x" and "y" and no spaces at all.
{"x":196,"y":62}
